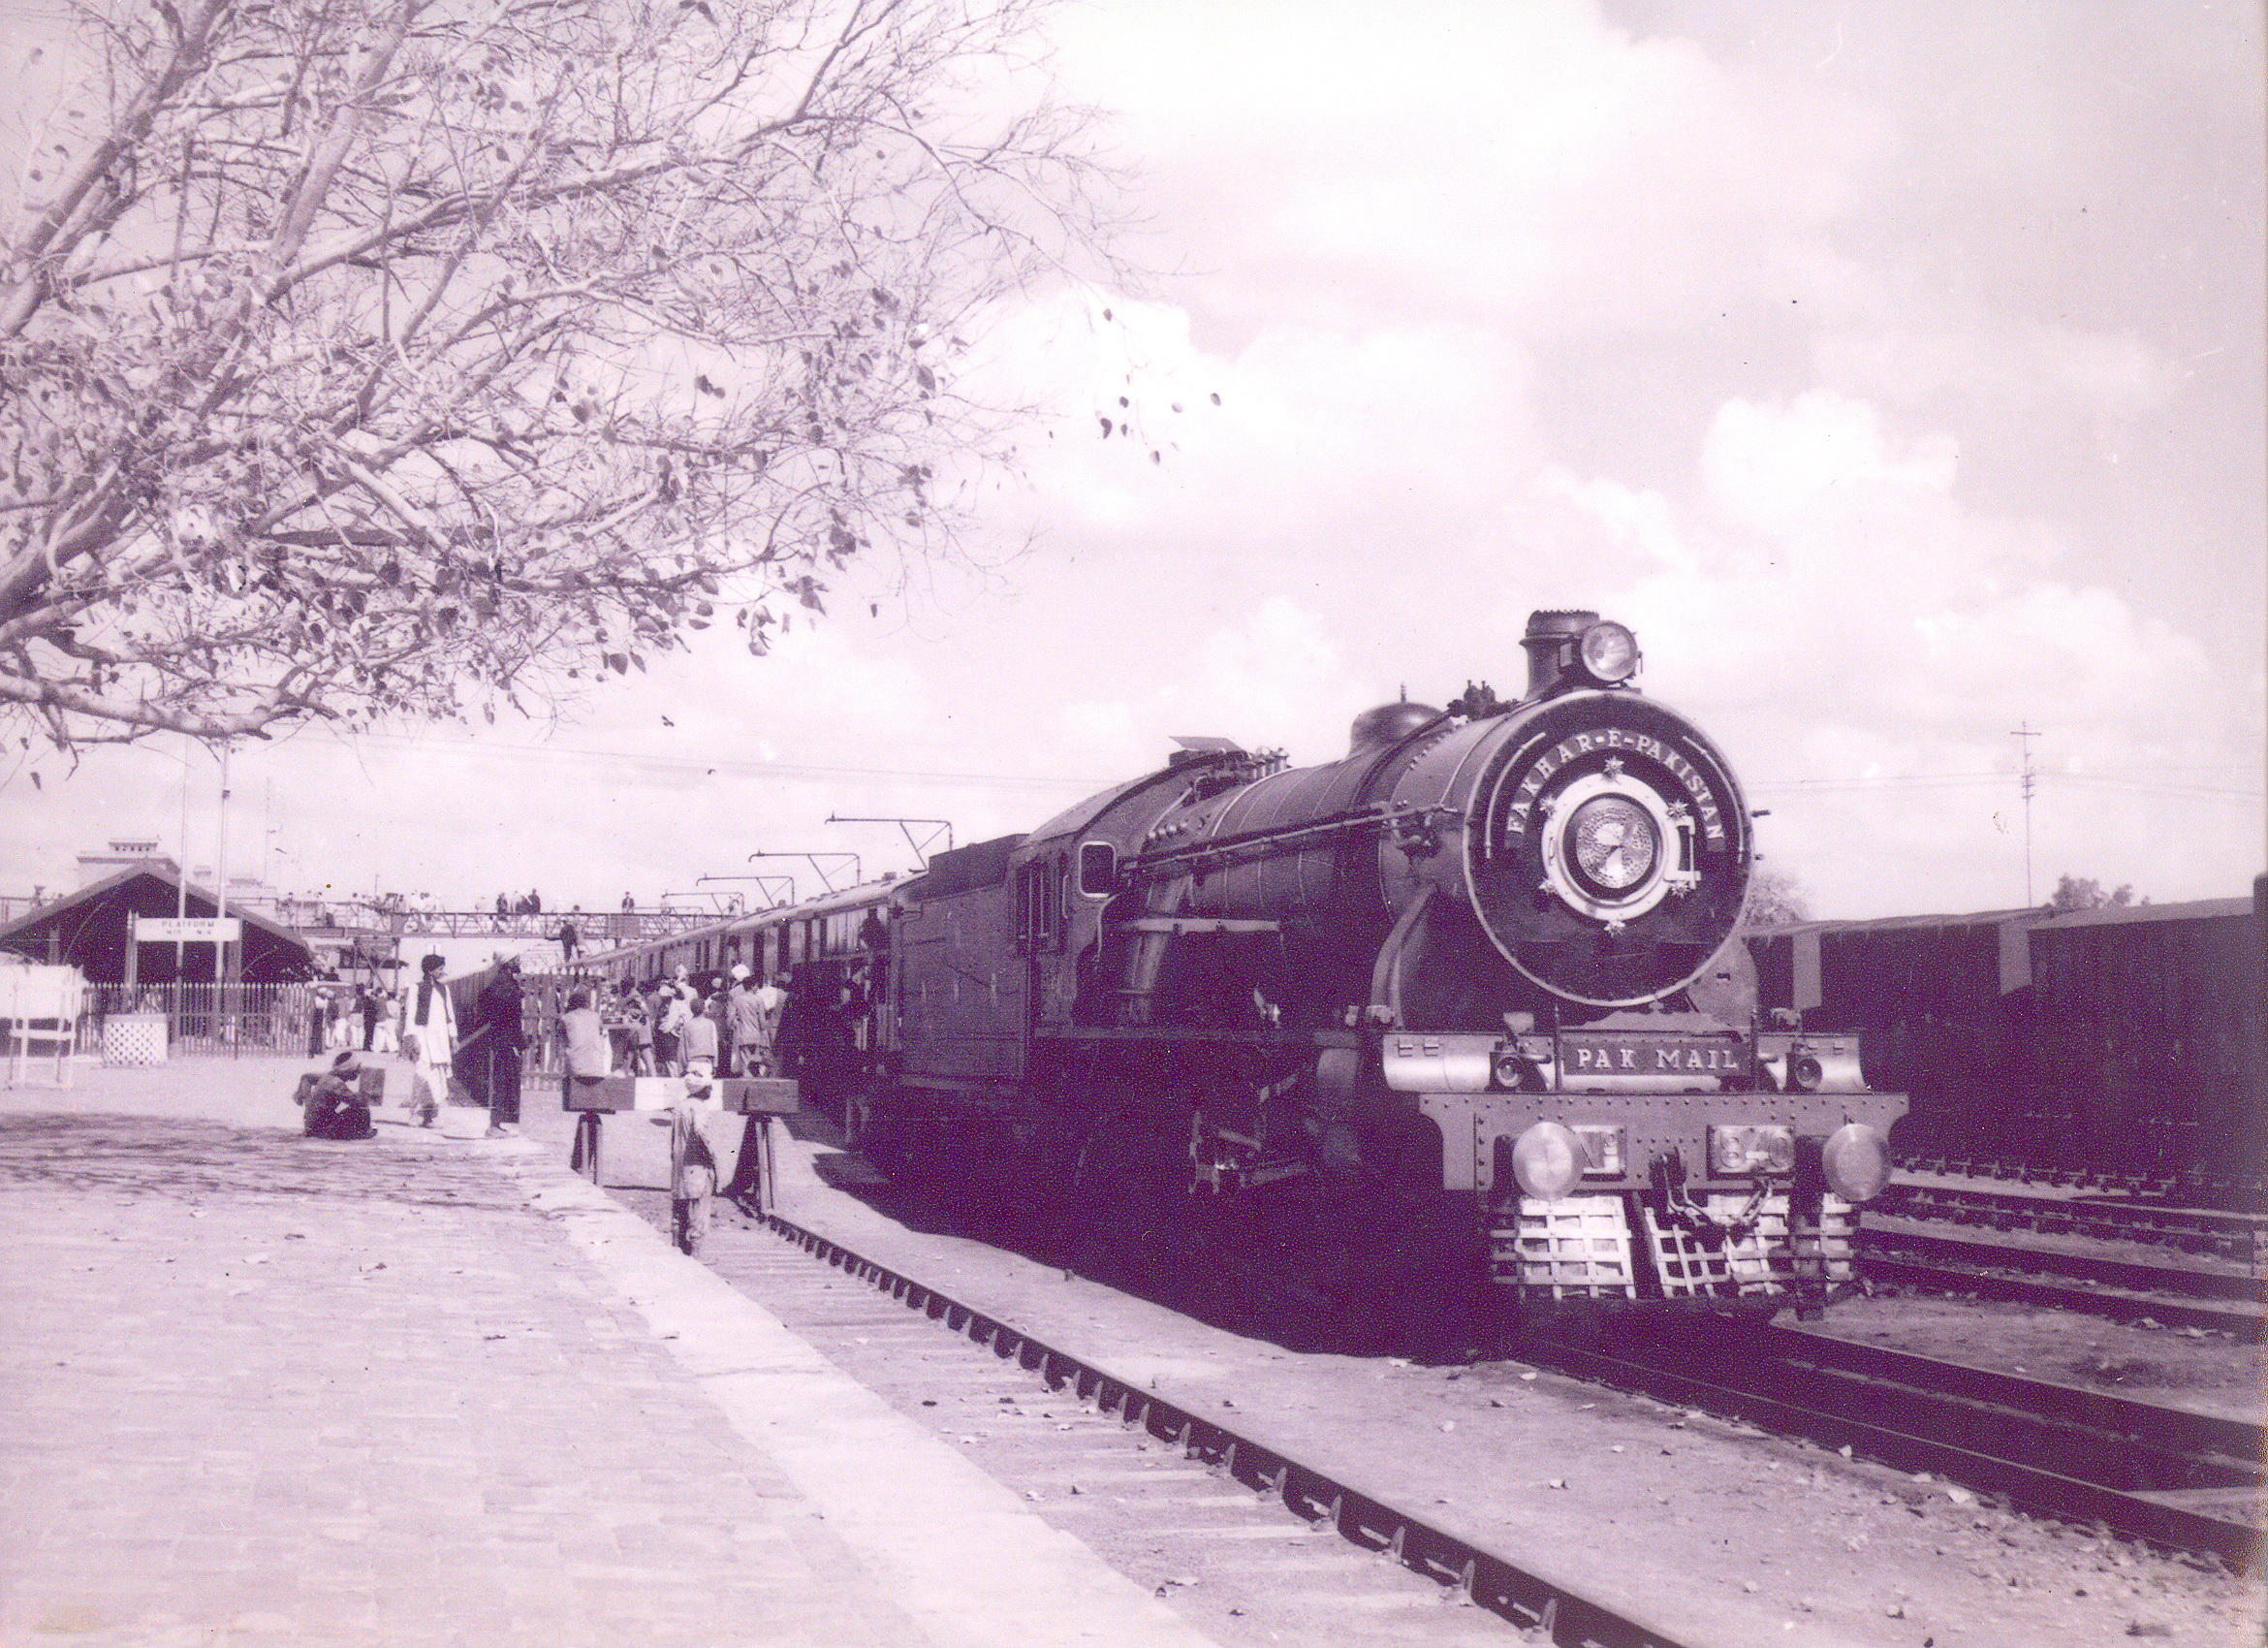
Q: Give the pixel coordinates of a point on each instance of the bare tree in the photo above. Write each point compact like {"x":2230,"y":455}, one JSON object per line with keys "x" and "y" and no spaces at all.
{"x":375,"y":359}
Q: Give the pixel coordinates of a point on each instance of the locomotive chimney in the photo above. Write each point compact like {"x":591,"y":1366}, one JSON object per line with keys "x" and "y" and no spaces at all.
{"x":1546,"y":638}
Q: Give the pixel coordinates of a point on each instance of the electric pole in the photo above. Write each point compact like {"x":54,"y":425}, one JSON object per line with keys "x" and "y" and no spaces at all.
{"x":2024,"y":734}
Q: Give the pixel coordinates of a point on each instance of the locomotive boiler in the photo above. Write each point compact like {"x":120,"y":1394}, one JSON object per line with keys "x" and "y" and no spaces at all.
{"x":1478,"y":974}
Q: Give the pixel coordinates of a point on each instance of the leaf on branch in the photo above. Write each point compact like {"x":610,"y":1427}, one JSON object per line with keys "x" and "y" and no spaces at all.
{"x":344,"y":445}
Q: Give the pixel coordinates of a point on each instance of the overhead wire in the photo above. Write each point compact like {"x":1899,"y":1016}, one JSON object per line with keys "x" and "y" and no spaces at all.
{"x":736,"y":766}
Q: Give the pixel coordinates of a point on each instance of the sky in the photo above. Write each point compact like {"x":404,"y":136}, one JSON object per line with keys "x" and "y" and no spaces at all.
{"x":1894,"y":372}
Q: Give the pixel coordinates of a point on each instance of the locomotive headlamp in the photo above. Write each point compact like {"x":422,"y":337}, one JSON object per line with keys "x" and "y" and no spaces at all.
{"x":1608,"y":654}
{"x":1614,"y":843}
{"x":1856,"y":1161}
{"x":1548,"y":1159}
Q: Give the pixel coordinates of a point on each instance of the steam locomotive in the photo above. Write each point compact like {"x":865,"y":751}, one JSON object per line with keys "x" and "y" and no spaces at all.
{"x":1467,"y":998}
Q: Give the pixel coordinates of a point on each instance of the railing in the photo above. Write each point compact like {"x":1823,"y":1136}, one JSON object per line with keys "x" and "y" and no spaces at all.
{"x":225,"y":1021}
{"x":594,"y":926}
{"x":235,"y":1020}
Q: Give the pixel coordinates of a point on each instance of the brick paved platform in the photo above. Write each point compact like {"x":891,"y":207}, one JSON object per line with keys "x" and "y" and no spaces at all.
{"x":256,"y":1388}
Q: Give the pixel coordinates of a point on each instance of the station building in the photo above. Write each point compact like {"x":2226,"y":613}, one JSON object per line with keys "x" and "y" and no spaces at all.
{"x":89,"y":928}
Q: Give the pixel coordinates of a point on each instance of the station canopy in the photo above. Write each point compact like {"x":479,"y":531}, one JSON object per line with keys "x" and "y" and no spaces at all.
{"x":88,"y":929}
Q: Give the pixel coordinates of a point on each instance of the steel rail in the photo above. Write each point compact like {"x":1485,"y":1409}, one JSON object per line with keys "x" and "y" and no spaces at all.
{"x":2139,"y":1276}
{"x":1917,"y":1404}
{"x":2205,"y":1191}
{"x":2178,"y":1435}
{"x":2086,"y":1282}
{"x":1547,"y":1608}
{"x":2078,"y":1295}
{"x":2240,"y":1238}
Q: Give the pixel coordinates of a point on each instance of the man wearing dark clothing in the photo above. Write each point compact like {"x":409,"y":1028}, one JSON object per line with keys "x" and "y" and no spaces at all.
{"x":367,"y":998}
{"x":332,"y":1103}
{"x":500,"y":1024}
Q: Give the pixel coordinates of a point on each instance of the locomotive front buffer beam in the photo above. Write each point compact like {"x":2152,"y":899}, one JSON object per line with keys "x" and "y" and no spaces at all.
{"x":1621,"y":1193}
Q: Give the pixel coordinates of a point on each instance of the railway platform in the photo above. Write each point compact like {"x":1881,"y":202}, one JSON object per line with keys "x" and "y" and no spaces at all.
{"x":257,"y":1388}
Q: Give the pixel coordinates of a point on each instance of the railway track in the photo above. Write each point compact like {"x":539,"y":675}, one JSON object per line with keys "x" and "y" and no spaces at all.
{"x":2183,"y":1480}
{"x":1909,"y":1253}
{"x":1184,"y":1496}
{"x":2174,"y":1190}
{"x":2238,"y":1239}
{"x":1269,"y":1539}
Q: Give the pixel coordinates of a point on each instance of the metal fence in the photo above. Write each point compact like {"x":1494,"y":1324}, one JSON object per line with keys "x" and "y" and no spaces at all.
{"x":240,"y":1021}
{"x":225,"y":1021}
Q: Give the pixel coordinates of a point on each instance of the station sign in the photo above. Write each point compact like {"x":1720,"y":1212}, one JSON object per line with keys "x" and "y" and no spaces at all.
{"x":189,"y":930}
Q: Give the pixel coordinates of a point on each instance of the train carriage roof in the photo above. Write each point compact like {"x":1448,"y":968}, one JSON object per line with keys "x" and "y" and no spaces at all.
{"x":2038,"y":919}
{"x":2195,"y":909}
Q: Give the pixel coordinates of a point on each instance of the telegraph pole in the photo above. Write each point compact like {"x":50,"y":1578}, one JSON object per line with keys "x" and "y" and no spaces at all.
{"x":2024,"y":734}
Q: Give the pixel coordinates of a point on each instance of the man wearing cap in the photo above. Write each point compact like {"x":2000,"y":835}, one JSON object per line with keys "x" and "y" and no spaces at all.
{"x":334,"y":1107}
{"x":500,"y":1021}
{"x":427,"y":1017}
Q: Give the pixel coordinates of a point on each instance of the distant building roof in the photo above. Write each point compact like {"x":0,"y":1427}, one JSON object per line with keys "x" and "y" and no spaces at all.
{"x":88,"y":930}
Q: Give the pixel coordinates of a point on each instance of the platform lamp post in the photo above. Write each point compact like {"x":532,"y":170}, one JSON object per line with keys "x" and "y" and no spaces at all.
{"x":220,"y":892}
{"x":944,"y":827}
{"x":182,"y":869}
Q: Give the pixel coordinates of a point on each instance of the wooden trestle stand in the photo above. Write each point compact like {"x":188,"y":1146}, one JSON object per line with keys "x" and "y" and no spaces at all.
{"x":693,"y":1170}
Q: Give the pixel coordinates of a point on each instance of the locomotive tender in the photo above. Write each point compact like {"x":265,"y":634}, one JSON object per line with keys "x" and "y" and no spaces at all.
{"x":1477,"y":979}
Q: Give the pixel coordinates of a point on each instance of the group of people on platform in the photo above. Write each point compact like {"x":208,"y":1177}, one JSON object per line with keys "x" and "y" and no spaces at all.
{"x":733,"y":1023}
{"x":483,"y":1054}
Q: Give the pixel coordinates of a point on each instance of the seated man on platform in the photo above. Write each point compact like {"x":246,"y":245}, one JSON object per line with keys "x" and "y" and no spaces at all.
{"x":333,"y":1106}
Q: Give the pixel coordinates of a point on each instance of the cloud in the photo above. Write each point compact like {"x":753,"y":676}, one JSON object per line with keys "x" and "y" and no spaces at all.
{"x":1835,"y":612}
{"x":1530,"y":161}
